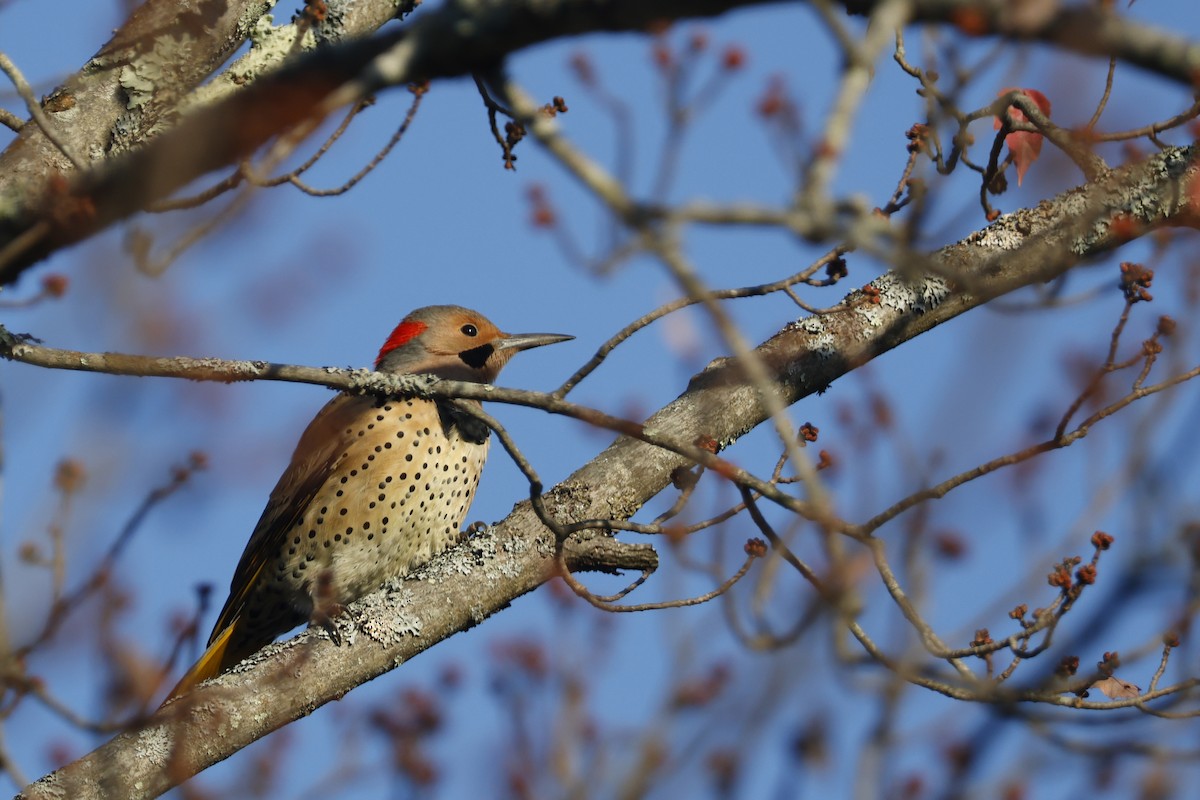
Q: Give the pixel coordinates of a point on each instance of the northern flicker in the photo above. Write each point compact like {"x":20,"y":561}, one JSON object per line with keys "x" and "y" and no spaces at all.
{"x":376,"y":488}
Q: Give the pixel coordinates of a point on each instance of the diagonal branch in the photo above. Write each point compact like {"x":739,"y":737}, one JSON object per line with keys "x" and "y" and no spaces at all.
{"x":450,"y":40}
{"x":453,"y":39}
{"x":483,"y":576}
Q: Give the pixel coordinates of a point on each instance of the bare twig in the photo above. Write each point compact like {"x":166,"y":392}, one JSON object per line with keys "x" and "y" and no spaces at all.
{"x":365,"y":381}
{"x":605,"y":604}
{"x":35,"y":111}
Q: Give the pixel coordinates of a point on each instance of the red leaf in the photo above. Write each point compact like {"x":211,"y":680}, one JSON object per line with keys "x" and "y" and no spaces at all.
{"x":1024,"y":146}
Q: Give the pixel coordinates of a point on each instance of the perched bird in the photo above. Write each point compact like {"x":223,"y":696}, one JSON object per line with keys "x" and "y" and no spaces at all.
{"x":376,"y":488}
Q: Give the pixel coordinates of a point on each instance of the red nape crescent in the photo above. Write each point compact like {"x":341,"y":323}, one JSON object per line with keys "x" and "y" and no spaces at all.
{"x":405,"y":332}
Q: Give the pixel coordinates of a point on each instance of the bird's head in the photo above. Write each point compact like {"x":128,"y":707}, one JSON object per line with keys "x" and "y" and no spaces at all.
{"x":455,"y":343}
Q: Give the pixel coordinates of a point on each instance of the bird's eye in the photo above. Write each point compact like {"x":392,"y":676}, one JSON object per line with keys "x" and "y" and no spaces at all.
{"x":470,"y":330}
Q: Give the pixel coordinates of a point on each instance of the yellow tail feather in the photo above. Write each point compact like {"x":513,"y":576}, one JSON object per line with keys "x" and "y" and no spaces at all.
{"x":215,"y":660}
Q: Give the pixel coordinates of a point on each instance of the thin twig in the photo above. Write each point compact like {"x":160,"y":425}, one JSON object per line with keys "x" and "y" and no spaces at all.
{"x":599,"y":602}
{"x":102,"y":571}
{"x":1108,"y":85}
{"x":690,"y":300}
{"x":419,"y":91}
{"x":364,"y":381}
{"x":11,"y":120}
{"x":35,"y":111}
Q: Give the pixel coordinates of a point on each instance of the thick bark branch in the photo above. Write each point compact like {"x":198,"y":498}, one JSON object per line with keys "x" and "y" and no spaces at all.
{"x":180,"y":48}
{"x":41,"y":215}
{"x":38,"y":215}
{"x":144,"y":80}
{"x":287,"y":681}
{"x":481,"y":577}
{"x":1092,"y":29}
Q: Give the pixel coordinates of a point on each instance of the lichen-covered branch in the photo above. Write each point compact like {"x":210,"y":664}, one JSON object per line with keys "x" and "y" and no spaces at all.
{"x":289,"y":680}
{"x":38,"y":217}
{"x":483,"y":575}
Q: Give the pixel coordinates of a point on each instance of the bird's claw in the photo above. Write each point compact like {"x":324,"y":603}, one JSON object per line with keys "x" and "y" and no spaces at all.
{"x":325,"y":618}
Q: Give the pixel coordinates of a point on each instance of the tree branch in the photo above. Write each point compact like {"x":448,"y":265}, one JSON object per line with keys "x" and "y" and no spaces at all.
{"x":452,"y":40}
{"x":1087,"y":29}
{"x":475,"y":580}
{"x":289,"y":680}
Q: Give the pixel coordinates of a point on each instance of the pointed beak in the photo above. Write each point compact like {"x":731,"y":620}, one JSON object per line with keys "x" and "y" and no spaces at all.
{"x":524,"y":341}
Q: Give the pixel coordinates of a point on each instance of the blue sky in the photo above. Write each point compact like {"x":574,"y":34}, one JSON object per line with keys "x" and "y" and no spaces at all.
{"x":303,"y":280}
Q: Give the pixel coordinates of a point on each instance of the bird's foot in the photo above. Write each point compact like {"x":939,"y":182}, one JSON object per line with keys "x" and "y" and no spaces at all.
{"x":325,"y":617}
{"x":474,"y":529}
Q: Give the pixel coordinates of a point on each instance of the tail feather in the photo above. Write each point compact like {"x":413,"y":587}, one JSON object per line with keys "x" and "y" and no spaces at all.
{"x":216,"y":659}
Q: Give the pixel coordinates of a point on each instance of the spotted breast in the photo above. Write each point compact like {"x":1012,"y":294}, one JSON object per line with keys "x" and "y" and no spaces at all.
{"x":394,"y":495}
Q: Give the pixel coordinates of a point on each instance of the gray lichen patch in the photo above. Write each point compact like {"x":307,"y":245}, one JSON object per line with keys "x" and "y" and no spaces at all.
{"x":382,"y":616}
{"x":126,"y":131}
{"x":896,"y":297}
{"x":911,"y":296}
{"x":514,"y":544}
{"x":142,"y":77}
{"x":155,"y":744}
{"x":822,"y":341}
{"x":270,"y":45}
{"x":888,"y":298}
{"x":361,"y":380}
{"x":462,"y":559}
{"x":49,"y":786}
{"x":332,"y":28}
{"x":139,"y":81}
{"x":1001,"y":235}
{"x":236,"y":370}
{"x":264,"y":654}
{"x":405,"y":384}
